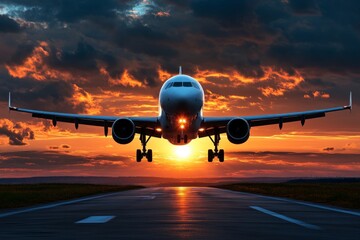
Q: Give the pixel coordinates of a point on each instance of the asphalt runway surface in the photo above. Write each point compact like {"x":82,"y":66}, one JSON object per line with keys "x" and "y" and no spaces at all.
{"x":180,"y":213}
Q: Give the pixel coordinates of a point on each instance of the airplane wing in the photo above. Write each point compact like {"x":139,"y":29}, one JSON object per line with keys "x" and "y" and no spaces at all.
{"x":212,"y":125}
{"x":145,"y":125}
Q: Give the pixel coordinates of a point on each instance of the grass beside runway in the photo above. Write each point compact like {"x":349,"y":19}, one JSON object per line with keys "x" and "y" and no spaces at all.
{"x":21,"y":195}
{"x":337,"y":194}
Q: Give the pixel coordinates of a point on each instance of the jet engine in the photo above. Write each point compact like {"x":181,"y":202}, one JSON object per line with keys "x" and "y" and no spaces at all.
{"x":238,"y":130}
{"x":123,"y":130}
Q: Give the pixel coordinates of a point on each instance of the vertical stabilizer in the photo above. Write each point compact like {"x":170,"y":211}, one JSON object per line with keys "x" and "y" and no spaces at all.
{"x":180,"y":70}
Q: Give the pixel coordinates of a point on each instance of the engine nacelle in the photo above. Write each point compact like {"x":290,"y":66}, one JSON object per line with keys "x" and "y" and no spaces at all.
{"x":123,"y":130}
{"x":238,"y":130}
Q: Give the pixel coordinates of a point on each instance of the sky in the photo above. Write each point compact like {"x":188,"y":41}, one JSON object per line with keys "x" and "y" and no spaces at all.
{"x":111,"y":58}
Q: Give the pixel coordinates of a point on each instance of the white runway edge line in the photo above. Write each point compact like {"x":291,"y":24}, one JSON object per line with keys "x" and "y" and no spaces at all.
{"x":6,"y":214}
{"x":54,"y":205}
{"x":298,"y":202}
{"x":96,"y":219}
{"x":288,"y":219}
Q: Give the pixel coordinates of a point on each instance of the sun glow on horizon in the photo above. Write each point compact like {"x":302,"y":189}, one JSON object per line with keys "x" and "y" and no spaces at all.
{"x":182,"y":152}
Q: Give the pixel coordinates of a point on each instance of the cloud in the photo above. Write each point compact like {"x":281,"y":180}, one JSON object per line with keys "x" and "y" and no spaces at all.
{"x":8,"y":25}
{"x":16,"y":132}
{"x":65,"y":147}
{"x":304,"y":7}
{"x":35,"y":66}
{"x":71,"y":53}
{"x":61,"y":163}
{"x":317,"y":94}
{"x":328,"y":149}
{"x":293,"y":163}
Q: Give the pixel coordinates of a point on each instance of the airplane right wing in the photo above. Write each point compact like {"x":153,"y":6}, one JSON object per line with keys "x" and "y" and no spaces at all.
{"x":213,"y":125}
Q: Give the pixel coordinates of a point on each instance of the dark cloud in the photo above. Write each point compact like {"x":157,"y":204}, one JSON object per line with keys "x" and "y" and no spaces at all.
{"x":146,"y":40}
{"x":304,"y":6}
{"x":22,"y":52}
{"x":59,"y":161}
{"x":328,"y":149}
{"x":61,"y":147}
{"x":8,"y":25}
{"x":229,"y":13}
{"x":48,"y":95}
{"x":84,"y":59}
{"x":67,"y":10}
{"x":294,"y":163}
{"x":318,"y":38}
{"x":16,"y":132}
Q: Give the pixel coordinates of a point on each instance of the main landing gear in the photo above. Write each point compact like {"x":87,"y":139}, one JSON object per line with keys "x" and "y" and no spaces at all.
{"x":216,"y":153}
{"x":144,"y":153}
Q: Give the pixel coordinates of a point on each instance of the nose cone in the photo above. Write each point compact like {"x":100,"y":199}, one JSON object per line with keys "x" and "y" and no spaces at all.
{"x":189,"y":102}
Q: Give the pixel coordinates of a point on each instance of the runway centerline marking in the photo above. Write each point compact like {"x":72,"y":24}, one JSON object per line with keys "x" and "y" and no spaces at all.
{"x":288,"y":219}
{"x":96,"y":219}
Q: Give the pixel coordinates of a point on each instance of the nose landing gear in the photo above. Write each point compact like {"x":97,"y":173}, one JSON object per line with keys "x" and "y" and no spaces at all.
{"x":216,"y":153}
{"x":144,"y":153}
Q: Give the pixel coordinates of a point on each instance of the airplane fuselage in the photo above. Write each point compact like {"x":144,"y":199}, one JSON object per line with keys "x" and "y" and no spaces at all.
{"x":181,"y":102}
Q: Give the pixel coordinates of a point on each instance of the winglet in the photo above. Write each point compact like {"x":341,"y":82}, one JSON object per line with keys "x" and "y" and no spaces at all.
{"x":9,"y":105}
{"x":9,"y":100}
{"x":180,"y":70}
{"x":350,"y":101}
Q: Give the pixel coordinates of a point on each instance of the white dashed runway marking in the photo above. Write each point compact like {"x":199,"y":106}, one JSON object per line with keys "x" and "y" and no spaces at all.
{"x":283,"y":217}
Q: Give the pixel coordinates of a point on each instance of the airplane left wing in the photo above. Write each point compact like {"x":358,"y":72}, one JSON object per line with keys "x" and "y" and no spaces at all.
{"x":212,"y":125}
{"x":145,"y":125}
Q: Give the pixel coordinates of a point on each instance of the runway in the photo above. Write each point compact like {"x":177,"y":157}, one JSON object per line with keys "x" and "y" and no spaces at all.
{"x":180,"y":213}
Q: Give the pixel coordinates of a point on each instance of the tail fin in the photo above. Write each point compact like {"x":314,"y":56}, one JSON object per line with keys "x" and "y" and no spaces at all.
{"x":180,"y":70}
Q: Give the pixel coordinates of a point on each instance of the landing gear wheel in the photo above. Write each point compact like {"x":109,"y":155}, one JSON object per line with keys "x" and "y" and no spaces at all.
{"x":216,"y":152}
{"x":144,"y":153}
{"x":149,"y":155}
{"x":138,"y":155}
{"x":221,"y":155}
{"x":210,"y":155}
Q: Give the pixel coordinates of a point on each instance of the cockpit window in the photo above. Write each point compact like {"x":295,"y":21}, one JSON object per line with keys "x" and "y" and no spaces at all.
{"x":196,"y":85}
{"x":182,"y":84}
{"x":168,"y":85}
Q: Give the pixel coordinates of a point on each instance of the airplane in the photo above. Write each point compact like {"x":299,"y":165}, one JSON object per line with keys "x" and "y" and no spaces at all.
{"x":180,"y":120}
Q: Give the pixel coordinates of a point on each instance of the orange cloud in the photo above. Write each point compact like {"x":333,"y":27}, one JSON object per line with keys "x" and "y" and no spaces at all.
{"x":204,"y":76}
{"x":284,"y":81}
{"x":317,"y":94}
{"x":82,"y":97}
{"x":126,"y":79}
{"x":35,"y":67}
{"x":162,"y":14}
{"x":269,"y":91}
{"x":16,"y":132}
{"x":163,"y":75}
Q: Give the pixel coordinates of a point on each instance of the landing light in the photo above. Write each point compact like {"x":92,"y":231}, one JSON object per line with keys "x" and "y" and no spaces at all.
{"x":158,"y":129}
{"x":182,"y":120}
{"x":201,"y":129}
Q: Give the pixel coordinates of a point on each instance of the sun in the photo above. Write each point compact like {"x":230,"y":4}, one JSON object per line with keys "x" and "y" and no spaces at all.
{"x":182,"y":152}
